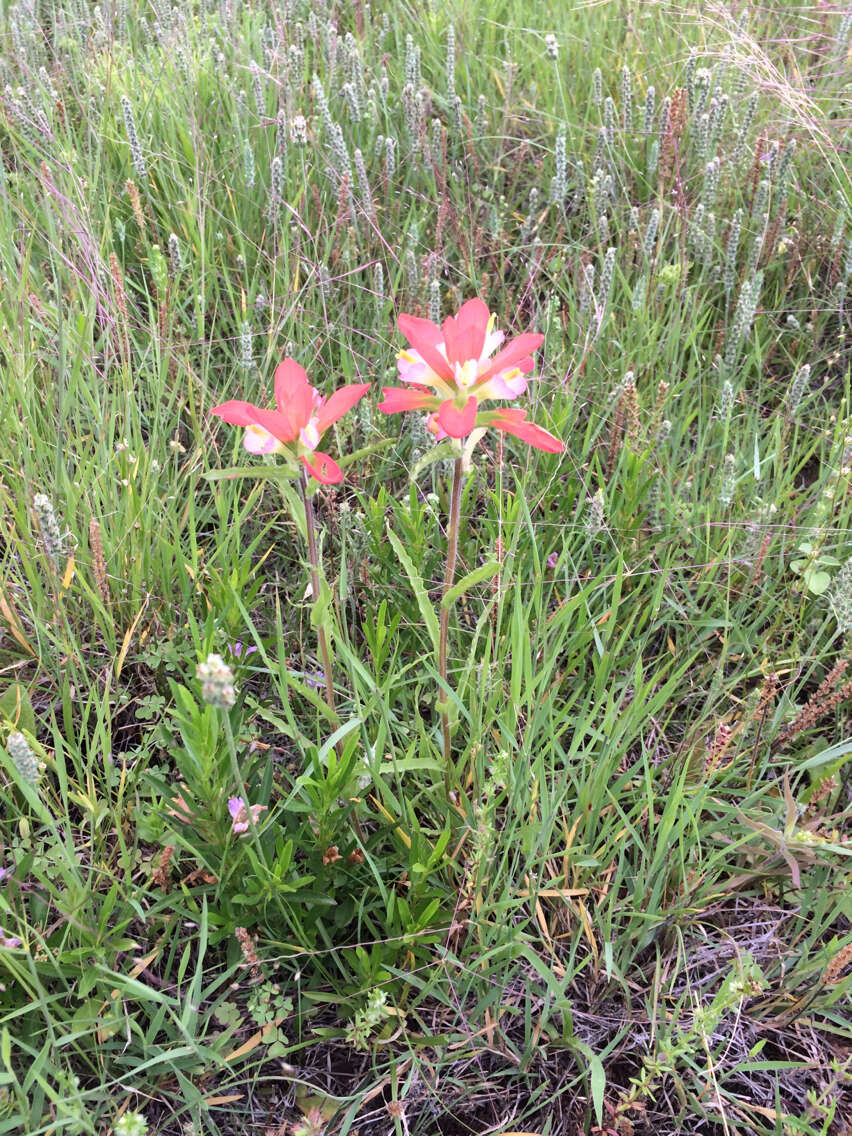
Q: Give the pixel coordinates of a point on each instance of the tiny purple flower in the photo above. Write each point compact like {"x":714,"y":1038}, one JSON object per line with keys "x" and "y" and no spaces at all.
{"x":239,"y":815}
{"x":239,"y":650}
{"x":553,"y":560}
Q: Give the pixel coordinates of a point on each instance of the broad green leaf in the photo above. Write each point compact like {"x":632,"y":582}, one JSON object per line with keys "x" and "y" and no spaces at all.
{"x":817,"y":582}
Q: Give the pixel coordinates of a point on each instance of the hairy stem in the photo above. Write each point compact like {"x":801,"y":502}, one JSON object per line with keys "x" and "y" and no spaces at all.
{"x":452,"y":552}
{"x":313,"y":557}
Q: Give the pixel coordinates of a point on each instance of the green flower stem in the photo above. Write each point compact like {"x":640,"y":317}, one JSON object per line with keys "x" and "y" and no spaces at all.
{"x":313,"y":557}
{"x":452,"y":553}
{"x":241,"y":786}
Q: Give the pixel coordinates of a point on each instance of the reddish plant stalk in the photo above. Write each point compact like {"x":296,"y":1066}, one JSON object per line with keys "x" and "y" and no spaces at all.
{"x":313,"y":557}
{"x":452,"y":554}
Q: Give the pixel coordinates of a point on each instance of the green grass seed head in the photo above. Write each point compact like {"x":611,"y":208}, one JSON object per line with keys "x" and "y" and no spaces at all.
{"x":276,"y":186}
{"x":412,"y":273}
{"x":702,"y":134}
{"x":745,"y":127}
{"x":841,"y":598}
{"x":175,"y":256}
{"x":560,"y":176}
{"x":640,"y":288}
{"x":379,"y":286}
{"x":246,"y":352}
{"x":727,"y":487}
{"x":437,"y":141}
{"x":458,"y":117}
{"x":757,"y":244}
{"x":587,"y":288}
{"x":665,"y":115}
{"x":390,"y":158}
{"x":597,"y":88}
{"x":48,"y":526}
{"x":412,"y":62}
{"x":596,"y":517}
{"x":785,"y":163}
{"x":435,"y":301}
{"x":248,"y":165}
{"x":481,"y":121}
{"x":363,"y":183}
{"x":729,"y":275}
{"x":710,"y":184}
{"x":626,"y":100}
{"x":450,"y":69}
{"x":650,"y":110}
{"x":607,"y":270}
{"x":726,"y":400}
{"x":743,"y":316}
{"x":25,"y":761}
{"x":702,"y":90}
{"x":653,"y":157}
{"x":797,"y":388}
{"x":136,"y":155}
{"x":350,"y":94}
{"x":718,"y":111}
{"x":770,"y":158}
{"x":649,"y":241}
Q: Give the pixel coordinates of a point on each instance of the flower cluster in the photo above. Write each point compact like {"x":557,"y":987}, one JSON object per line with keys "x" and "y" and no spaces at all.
{"x":217,"y":682}
{"x":451,"y":372}
{"x":296,"y":426}
{"x":452,"y":369}
{"x":240,"y":814}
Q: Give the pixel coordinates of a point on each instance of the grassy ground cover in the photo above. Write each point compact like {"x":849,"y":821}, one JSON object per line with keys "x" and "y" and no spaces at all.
{"x":623,"y":905}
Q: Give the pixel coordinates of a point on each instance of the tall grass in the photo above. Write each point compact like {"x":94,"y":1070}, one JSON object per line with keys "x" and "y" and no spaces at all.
{"x":633,"y":910}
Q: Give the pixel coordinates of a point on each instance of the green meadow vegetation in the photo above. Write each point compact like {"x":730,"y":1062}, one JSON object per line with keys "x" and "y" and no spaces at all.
{"x":621,"y":904}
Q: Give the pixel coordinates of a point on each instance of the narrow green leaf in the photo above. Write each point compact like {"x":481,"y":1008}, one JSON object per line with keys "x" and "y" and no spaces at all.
{"x":16,"y":706}
{"x":597,"y":1078}
{"x":833,"y":753}
{"x":418,"y":587}
{"x":258,"y":472}
{"x":483,"y":572}
{"x":339,"y":734}
{"x":441,"y":452}
{"x":375,"y":447}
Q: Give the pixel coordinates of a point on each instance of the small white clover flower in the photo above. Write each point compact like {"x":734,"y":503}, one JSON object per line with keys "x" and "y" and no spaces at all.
{"x":217,"y":682}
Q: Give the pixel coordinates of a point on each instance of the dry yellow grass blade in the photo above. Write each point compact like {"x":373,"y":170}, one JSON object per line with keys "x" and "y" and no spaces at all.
{"x":256,"y":1039}
{"x":128,"y":638}
{"x":9,"y":614}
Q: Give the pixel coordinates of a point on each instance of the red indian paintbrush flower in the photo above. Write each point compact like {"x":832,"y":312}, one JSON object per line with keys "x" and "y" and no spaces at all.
{"x":452,"y":369}
{"x":295,"y":427}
